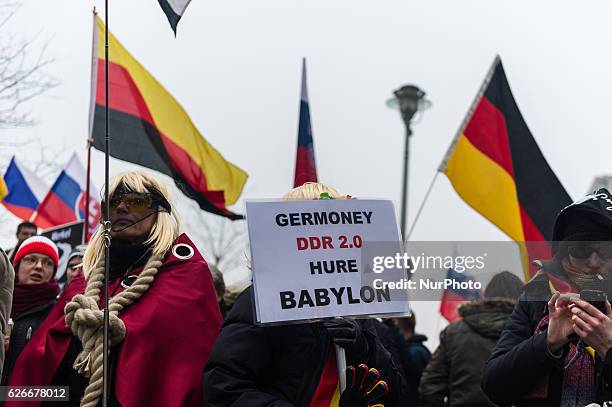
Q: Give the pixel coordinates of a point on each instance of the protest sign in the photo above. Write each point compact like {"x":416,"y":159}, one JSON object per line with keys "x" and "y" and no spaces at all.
{"x":307,"y":263}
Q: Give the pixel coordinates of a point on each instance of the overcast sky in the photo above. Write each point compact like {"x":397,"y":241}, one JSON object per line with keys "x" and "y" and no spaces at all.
{"x":235,"y":67}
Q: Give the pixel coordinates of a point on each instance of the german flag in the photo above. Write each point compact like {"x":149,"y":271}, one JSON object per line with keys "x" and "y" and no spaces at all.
{"x":150,"y":128}
{"x":497,"y":168}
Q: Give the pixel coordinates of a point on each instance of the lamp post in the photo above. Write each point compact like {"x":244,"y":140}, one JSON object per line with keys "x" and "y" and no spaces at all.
{"x":409,"y":100}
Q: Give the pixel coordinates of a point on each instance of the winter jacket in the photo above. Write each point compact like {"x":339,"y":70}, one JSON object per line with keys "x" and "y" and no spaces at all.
{"x":521,"y":362}
{"x":455,"y":370}
{"x":414,"y":356}
{"x":24,"y":327}
{"x":391,"y":338}
{"x":280,"y":365}
{"x":7,"y":277}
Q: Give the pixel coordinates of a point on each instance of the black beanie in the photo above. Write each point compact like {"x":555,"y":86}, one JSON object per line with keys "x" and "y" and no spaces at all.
{"x":589,"y":219}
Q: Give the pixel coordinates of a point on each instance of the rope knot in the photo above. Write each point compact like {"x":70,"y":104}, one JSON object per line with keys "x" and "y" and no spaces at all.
{"x":86,"y":321}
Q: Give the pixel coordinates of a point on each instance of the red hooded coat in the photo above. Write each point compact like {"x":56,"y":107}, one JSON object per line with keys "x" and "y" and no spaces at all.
{"x":170,"y":331}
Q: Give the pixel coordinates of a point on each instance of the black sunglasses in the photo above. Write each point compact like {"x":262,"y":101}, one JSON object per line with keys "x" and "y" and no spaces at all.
{"x":584,"y":251}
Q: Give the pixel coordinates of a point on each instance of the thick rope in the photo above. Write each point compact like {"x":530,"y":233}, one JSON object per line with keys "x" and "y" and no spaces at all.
{"x":86,"y":321}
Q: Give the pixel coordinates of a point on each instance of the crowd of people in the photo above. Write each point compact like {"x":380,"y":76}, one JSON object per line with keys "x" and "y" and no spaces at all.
{"x":177,"y":339}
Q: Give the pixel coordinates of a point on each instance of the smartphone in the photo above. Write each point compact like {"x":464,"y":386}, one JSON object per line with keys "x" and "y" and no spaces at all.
{"x":596,"y":298}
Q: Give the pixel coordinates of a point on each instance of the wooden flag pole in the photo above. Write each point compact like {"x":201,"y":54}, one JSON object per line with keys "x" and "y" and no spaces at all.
{"x":87,"y":192}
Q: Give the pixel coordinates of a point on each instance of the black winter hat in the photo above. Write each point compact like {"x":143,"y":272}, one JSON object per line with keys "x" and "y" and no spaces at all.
{"x":589,"y":219}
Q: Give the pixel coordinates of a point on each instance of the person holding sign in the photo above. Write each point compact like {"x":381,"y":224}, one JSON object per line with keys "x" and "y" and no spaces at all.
{"x":163,"y":311}
{"x":294,"y":364}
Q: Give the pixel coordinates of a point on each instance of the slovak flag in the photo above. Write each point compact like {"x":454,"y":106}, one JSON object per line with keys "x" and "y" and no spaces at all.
{"x":305,"y":168}
{"x":66,"y":201}
{"x":25,"y":190}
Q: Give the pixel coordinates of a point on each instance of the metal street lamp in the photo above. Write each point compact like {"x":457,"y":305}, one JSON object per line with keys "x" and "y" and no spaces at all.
{"x":409,"y":100}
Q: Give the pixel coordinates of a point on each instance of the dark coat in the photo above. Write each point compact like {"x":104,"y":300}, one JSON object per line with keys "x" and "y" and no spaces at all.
{"x":391,"y":338}
{"x":280,"y":365}
{"x":521,"y":361}
{"x":455,"y":370}
{"x":24,"y":327}
{"x":410,"y":357}
{"x":414,"y":356}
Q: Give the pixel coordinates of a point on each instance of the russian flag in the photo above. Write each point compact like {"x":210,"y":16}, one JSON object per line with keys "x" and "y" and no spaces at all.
{"x":66,"y":201}
{"x":305,"y":169}
{"x":25,"y":190}
{"x":452,"y":298}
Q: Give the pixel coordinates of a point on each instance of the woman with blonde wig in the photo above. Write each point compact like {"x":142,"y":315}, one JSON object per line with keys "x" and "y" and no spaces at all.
{"x":164,"y":316}
{"x":294,"y":365}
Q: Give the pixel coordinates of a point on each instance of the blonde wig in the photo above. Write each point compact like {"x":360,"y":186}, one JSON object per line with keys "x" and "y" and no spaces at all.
{"x":312,"y":191}
{"x":163,"y":233}
{"x":309,"y":191}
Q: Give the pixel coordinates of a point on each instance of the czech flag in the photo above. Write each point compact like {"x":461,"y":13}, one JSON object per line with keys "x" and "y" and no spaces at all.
{"x":25,"y":190}
{"x":497,"y":168}
{"x":66,"y":200}
{"x":149,"y":127}
{"x":452,"y":299}
{"x":305,"y":168}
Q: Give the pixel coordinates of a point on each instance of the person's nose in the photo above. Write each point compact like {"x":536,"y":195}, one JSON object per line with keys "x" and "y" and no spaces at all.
{"x":594,"y":261}
{"x":39,"y":265}
{"x":122,"y":207}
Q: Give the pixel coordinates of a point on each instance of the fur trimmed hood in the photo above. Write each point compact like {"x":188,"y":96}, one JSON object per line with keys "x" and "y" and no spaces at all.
{"x":487,"y":317}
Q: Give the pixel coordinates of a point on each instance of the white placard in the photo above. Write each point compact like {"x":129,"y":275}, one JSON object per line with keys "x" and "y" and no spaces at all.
{"x":306,"y":258}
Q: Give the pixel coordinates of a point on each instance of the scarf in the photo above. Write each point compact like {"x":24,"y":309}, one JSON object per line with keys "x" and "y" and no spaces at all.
{"x":578,"y":385}
{"x":327,"y":393}
{"x":126,"y":256}
{"x":582,"y":280}
{"x":29,"y":296}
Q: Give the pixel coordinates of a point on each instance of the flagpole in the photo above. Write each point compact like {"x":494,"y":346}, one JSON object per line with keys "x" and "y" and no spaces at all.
{"x":92,"y":106}
{"x":87,"y":187}
{"x":107,"y":224}
{"x":418,"y":215}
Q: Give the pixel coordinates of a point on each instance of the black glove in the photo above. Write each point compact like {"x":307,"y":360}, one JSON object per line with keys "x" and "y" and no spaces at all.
{"x":363,"y":387}
{"x":348,"y":334}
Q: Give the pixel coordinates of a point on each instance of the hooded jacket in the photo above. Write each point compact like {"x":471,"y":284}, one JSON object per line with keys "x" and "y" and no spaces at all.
{"x":521,"y":363}
{"x":455,"y":369}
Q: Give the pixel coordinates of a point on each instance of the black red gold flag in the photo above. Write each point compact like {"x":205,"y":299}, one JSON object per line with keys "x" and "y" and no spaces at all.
{"x":497,"y":168}
{"x":150,"y":128}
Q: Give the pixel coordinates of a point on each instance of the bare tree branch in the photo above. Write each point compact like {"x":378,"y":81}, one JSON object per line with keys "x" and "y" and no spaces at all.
{"x":223,"y":242}
{"x":22,"y":76}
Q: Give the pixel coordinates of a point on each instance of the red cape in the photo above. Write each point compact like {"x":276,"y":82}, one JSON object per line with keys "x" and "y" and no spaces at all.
{"x":170,"y":331}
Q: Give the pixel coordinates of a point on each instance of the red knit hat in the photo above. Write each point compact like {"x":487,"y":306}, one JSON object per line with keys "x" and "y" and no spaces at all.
{"x":40,"y":245}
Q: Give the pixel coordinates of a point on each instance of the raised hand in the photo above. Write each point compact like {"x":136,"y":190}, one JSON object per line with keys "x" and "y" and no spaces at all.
{"x":560,"y":324}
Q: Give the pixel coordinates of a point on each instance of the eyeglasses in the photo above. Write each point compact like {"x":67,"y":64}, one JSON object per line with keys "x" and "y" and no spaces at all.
{"x":584,"y":251}
{"x":33,"y":260}
{"x":134,"y":202}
